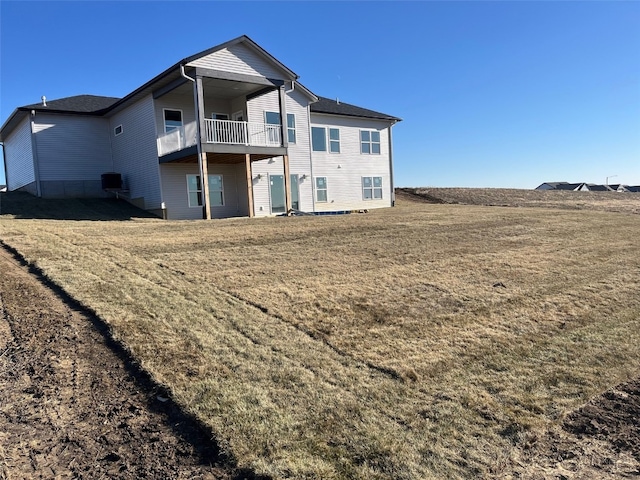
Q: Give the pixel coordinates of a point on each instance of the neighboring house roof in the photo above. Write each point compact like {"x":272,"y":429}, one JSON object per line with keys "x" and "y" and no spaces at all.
{"x":550,"y":185}
{"x":633,"y":188}
{"x":335,"y":107}
{"x":597,"y":188}
{"x":568,"y":186}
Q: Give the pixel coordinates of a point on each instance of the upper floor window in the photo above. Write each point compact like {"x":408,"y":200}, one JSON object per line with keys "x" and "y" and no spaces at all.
{"x":319,"y":139}
{"x":172,"y":119}
{"x":291,"y":128}
{"x":118,"y":130}
{"x":334,"y":140}
{"x":370,"y":142}
{"x":371,"y":188}
{"x":273,"y":118}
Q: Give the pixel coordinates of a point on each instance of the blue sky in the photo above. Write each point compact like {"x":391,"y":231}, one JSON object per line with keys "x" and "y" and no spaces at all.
{"x":492,"y":94}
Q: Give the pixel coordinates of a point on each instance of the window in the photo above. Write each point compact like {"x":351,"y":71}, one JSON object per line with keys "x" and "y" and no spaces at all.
{"x":291,"y":128}
{"x":172,"y":120}
{"x":370,"y":142}
{"x":371,"y":188}
{"x":216,"y":191}
{"x":321,"y":189}
{"x":272,"y":118}
{"x":334,"y":140}
{"x":319,"y":139}
{"x":118,"y":130}
{"x":219,"y":116}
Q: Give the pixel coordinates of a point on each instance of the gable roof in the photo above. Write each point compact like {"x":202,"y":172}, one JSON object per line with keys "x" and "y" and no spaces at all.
{"x":89,"y":104}
{"x":335,"y":107}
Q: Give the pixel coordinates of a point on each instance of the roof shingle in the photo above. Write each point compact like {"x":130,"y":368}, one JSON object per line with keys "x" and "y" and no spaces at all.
{"x":333,"y":107}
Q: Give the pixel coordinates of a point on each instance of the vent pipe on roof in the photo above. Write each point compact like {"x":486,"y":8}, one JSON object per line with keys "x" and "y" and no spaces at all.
{"x":44,"y":101}
{"x":337,"y":100}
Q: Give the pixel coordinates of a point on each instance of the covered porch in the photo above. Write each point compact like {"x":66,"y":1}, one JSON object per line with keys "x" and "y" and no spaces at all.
{"x":231,"y":184}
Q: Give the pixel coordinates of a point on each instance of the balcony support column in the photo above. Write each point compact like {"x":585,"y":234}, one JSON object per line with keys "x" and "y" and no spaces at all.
{"x":202,"y":156}
{"x":247,"y":163}
{"x":283,"y":117}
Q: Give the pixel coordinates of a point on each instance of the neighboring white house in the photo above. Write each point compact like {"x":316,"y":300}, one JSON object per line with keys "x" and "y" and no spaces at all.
{"x":232,"y":114}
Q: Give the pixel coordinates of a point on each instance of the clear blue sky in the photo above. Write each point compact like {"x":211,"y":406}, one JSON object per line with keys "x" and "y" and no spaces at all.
{"x":492,"y":94}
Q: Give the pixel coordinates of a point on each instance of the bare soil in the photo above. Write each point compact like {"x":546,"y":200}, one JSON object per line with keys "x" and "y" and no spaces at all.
{"x":72,"y":405}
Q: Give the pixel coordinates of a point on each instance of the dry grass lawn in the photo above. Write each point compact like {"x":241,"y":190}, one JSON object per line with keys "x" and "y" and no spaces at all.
{"x":423,"y":341}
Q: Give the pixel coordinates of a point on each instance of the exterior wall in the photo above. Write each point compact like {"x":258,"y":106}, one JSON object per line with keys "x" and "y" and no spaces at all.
{"x":174,"y":186}
{"x":269,"y":102}
{"x":241,"y":59}
{"x":344,"y":170}
{"x":19,"y":157}
{"x":73,"y":152}
{"x":174,"y":101}
{"x":300,"y":152}
{"x":135,"y":153}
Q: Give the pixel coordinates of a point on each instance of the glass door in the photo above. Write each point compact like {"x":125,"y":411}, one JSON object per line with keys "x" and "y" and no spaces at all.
{"x":276,"y":189}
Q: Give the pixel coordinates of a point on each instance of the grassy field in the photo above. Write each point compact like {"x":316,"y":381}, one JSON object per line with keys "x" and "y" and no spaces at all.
{"x":423,"y":341}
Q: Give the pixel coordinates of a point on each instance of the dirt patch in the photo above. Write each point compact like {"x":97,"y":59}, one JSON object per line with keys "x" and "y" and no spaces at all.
{"x":599,"y":440}
{"x":71,"y":407}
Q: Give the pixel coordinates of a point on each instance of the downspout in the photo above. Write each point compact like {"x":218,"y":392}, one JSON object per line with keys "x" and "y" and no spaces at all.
{"x":198,"y":137}
{"x":34,"y":150}
{"x":393,"y":191}
{"x":313,"y":180}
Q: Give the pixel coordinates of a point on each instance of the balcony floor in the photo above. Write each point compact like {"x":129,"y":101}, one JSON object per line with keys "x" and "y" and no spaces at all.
{"x":190,"y":154}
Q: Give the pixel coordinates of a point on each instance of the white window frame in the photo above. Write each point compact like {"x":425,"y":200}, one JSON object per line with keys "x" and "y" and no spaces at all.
{"x":291,"y":129}
{"x":164,"y":119}
{"x":325,"y":139}
{"x":317,"y":189}
{"x":189,"y":191}
{"x":116,"y":132}
{"x":370,"y":142}
{"x":199,"y":190}
{"x":373,"y":189}
{"x":331,"y":141}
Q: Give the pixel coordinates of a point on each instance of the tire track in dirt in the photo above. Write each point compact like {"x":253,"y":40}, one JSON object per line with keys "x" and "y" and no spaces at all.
{"x":72,"y":407}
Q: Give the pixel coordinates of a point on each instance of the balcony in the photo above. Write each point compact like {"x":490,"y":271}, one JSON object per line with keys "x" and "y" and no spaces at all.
{"x":226,"y":132}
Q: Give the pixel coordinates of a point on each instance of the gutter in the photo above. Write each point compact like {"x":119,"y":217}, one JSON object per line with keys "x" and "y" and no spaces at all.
{"x":393,"y":191}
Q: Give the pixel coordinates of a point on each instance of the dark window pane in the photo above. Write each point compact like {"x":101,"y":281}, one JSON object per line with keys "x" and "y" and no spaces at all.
{"x":375,"y":137}
{"x":335,"y":146}
{"x":173,"y":116}
{"x":377,"y":181}
{"x":366,"y":182}
{"x":364,"y":136}
{"x":291,"y":120}
{"x":319,"y":139}
{"x":272,"y":118}
{"x":375,"y":148}
{"x":334,"y":134}
{"x":365,"y":148}
{"x":377,"y":193}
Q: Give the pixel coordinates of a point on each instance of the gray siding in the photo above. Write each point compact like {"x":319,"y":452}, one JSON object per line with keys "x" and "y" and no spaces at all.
{"x":174,"y":186}
{"x":135,"y":153}
{"x":344,"y":170}
{"x":19,"y":156}
{"x":73,"y":153}
{"x":239,"y":59}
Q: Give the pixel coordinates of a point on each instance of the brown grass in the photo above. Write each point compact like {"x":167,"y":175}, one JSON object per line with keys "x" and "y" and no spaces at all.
{"x":423,"y":341}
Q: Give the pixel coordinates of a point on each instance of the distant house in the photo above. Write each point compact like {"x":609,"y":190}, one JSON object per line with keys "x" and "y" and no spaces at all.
{"x":226,"y":132}
{"x":591,"y":187}
{"x":634,"y":189}
{"x":560,"y":186}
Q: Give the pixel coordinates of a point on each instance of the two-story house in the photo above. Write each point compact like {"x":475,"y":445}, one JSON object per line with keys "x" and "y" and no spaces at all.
{"x":233,"y":115}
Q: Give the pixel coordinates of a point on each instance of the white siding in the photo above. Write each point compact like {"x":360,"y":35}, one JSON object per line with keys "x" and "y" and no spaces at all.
{"x":299,"y":153}
{"x":344,"y":170}
{"x":269,"y":102}
{"x":72,"y":148}
{"x":19,"y":156}
{"x":174,"y":186}
{"x":135,"y":153}
{"x":241,"y":59}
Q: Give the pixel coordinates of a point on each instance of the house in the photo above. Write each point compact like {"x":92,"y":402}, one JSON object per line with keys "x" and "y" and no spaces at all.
{"x":233,"y":115}
{"x":560,"y":186}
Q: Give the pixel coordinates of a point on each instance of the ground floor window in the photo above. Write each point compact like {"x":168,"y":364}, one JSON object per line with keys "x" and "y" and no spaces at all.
{"x":216,"y":190}
{"x":321,"y":189}
{"x":371,"y":188}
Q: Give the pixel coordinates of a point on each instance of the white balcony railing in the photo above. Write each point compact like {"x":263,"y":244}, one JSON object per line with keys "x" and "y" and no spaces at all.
{"x":177,"y":139}
{"x":242,"y":133}
{"x":221,"y":131}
